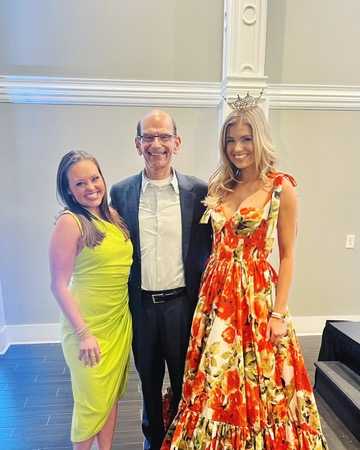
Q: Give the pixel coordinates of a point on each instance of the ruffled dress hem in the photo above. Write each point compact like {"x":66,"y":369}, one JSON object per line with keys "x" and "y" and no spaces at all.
{"x":193,"y":430}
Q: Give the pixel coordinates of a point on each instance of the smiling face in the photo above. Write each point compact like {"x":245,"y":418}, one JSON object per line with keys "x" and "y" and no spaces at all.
{"x":157,"y":144}
{"x":240,"y":146}
{"x":86,"y":185}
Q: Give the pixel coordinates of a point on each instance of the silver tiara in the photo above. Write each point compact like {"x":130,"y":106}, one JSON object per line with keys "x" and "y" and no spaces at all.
{"x":244,"y":103}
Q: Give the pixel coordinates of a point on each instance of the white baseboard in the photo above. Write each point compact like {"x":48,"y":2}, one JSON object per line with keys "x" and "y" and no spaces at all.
{"x":3,"y":340}
{"x":50,"y":332}
{"x":28,"y":334}
{"x":312,"y":325}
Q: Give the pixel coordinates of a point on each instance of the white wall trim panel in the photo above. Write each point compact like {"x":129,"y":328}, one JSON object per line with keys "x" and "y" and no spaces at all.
{"x":3,"y":340}
{"x":50,"y":332}
{"x":312,"y":96}
{"x":36,"y":333}
{"x":86,"y":91}
{"x":244,"y":38}
{"x":310,"y":325}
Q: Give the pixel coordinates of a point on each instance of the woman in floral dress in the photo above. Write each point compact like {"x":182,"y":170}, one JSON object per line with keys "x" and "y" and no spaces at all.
{"x":245,"y":383}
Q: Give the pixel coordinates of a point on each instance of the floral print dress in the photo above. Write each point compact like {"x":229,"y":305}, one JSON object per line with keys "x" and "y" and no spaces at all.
{"x":240,"y":391}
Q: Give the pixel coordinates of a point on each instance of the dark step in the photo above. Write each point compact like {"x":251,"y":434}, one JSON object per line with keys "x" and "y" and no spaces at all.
{"x":340,"y":387}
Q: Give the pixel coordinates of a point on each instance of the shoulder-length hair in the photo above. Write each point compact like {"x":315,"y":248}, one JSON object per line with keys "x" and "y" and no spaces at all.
{"x":91,"y":235}
{"x":225,"y":177}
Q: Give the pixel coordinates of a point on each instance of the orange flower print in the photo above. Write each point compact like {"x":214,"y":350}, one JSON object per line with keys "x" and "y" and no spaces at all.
{"x":260,"y":282}
{"x":262,"y":329}
{"x":225,"y":253}
{"x":217,"y":399}
{"x":302,"y":381}
{"x":267,"y":362}
{"x":231,"y":239}
{"x":241,"y":391}
{"x":228,"y":335}
{"x":251,"y":214}
{"x":195,"y":326}
{"x":232,"y":380}
{"x":260,"y":309}
{"x":278,"y":370}
{"x":198,"y":383}
{"x":187,"y":390}
{"x":242,"y":313}
{"x":247,"y":335}
{"x":193,"y":358}
{"x":265,"y":346}
{"x":225,"y":307}
{"x":178,"y":430}
{"x":191,"y":424}
{"x":198,"y":403}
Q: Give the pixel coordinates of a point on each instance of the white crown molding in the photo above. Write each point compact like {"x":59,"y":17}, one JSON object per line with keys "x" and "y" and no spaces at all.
{"x":312,"y":96}
{"x":231,"y":86}
{"x":108,"y":92}
{"x":187,"y":94}
{"x":39,"y":333}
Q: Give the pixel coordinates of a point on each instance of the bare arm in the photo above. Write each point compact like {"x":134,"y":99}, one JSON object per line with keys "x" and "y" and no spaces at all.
{"x":63,"y":250}
{"x":64,"y":246}
{"x":287,"y":227}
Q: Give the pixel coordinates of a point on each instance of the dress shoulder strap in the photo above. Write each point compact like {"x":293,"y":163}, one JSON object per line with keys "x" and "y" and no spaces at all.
{"x":278,"y":178}
{"x":206,"y":216}
{"x":77,"y":220}
{"x":277,"y":185}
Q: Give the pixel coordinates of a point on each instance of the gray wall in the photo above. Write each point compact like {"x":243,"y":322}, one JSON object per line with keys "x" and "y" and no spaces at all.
{"x":308,"y":42}
{"x":316,"y":43}
{"x":155,"y":40}
{"x":313,"y":42}
{"x":37,"y":137}
{"x":321,"y":149}
{"x":2,"y":313}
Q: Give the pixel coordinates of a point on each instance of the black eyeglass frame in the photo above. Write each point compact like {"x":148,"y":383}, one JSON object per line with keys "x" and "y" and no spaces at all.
{"x":163,"y":137}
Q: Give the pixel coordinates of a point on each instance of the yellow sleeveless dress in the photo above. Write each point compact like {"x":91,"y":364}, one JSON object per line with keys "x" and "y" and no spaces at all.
{"x":99,"y":286}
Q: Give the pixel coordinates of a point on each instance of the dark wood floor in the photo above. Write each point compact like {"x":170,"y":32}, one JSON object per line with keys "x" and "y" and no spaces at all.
{"x":36,"y":402}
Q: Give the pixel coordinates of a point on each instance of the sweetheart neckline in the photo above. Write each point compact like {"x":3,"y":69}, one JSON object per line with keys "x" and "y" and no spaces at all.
{"x":238,"y":210}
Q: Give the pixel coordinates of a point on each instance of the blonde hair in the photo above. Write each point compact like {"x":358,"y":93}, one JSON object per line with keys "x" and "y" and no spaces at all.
{"x":224,"y":179}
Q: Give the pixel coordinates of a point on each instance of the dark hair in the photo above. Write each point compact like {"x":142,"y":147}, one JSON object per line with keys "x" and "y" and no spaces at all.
{"x":92,"y":236}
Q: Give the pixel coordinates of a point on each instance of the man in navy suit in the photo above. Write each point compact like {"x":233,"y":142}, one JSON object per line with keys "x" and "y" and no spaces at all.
{"x":162,"y":209}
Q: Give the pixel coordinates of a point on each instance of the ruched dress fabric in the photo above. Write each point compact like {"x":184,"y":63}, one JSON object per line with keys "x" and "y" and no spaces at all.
{"x":99,"y":286}
{"x":240,"y":391}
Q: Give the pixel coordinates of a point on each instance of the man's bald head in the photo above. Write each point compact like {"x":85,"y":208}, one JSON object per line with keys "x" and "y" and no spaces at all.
{"x":156,"y":113}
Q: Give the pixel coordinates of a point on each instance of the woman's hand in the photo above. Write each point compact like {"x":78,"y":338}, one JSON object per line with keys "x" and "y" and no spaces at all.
{"x":89,"y":352}
{"x":276,"y":330}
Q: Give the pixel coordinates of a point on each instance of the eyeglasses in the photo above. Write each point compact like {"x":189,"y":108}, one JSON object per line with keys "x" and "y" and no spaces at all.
{"x":150,"y":138}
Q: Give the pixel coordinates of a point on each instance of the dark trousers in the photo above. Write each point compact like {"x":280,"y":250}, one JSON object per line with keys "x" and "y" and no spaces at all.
{"x":161,"y":335}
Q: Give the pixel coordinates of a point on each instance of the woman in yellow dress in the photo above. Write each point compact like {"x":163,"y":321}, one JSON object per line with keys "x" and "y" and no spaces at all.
{"x":90,"y":258}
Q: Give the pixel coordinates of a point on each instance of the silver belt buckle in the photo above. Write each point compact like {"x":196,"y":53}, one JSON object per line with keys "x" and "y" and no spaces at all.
{"x":153,"y":296}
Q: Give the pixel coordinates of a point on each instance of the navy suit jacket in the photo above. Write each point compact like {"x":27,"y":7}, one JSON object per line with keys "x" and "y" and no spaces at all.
{"x":196,"y":237}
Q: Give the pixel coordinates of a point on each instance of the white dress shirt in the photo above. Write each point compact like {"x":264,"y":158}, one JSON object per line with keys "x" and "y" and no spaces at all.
{"x":160,"y":234}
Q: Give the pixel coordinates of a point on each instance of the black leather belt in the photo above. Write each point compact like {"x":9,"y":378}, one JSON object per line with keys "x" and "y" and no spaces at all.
{"x":163,"y":296}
